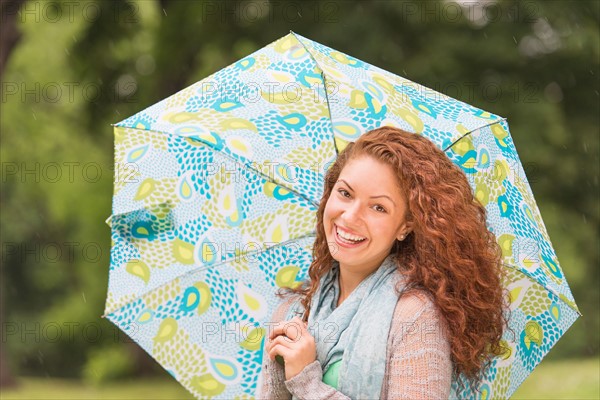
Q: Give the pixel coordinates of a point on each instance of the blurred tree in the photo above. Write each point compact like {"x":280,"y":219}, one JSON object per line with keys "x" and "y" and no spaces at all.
{"x":9,"y":37}
{"x":9,"y":34}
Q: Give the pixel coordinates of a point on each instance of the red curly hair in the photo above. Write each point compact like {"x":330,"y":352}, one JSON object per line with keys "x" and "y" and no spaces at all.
{"x":450,"y":253}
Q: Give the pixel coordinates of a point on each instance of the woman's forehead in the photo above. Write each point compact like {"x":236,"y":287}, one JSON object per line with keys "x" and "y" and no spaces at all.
{"x":370,"y":174}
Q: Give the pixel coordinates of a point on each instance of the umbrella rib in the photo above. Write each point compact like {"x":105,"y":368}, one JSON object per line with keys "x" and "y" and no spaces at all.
{"x":535,"y":280}
{"x":476,"y":129}
{"x":325,"y":80}
{"x":193,"y":271}
{"x":257,"y":172}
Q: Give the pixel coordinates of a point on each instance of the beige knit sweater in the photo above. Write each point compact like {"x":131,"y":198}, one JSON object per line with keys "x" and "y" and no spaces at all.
{"x":418,"y":359}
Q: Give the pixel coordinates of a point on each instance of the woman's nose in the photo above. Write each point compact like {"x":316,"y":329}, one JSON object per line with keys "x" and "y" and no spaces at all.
{"x":352,"y":213}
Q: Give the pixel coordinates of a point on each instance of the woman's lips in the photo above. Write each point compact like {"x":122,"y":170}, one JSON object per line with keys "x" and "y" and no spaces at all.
{"x":343,"y":243}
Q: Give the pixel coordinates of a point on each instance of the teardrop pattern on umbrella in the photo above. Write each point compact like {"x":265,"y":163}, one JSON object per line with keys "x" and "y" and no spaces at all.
{"x":207,"y":386}
{"x":147,"y":187}
{"x":191,"y":298}
{"x":139,"y":269}
{"x":184,"y":188}
{"x":253,"y":303}
{"x":206,"y":252}
{"x":230,"y":206}
{"x":293,"y":121}
{"x":347,"y":130}
{"x":145,"y":317}
{"x":166,"y":330}
{"x":137,"y":154}
{"x":286,"y":277}
{"x":183,"y":251}
{"x":225,"y":370}
{"x":205,"y":297}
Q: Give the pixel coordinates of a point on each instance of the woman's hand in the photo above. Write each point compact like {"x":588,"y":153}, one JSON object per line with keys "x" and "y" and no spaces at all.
{"x":292,"y":340}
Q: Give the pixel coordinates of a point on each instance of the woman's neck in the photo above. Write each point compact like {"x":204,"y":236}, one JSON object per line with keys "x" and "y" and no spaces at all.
{"x":348,"y":281}
{"x":350,"y":278}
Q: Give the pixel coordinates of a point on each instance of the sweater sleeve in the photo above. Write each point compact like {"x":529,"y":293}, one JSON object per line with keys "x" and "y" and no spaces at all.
{"x":309,"y":385}
{"x":273,"y":374}
{"x":419,"y":364}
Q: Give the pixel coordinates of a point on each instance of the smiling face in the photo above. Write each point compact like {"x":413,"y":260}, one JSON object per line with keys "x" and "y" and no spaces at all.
{"x":364,"y":215}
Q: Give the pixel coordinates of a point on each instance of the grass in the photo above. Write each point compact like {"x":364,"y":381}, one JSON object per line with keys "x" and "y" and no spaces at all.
{"x":570,"y":379}
{"x":71,"y":389}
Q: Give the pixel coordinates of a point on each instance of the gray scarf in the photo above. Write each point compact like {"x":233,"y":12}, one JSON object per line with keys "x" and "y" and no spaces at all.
{"x":357,"y":331}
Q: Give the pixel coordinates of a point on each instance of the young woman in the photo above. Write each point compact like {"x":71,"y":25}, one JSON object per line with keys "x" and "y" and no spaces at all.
{"x":405,"y":285}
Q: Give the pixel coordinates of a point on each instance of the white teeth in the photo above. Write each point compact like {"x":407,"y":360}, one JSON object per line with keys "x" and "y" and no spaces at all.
{"x":348,"y":236}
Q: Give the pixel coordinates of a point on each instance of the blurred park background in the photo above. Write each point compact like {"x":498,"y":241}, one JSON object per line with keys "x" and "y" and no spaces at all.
{"x":71,"y":68}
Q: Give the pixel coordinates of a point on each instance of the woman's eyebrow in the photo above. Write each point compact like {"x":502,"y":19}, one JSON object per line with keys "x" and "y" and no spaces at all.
{"x":347,"y":184}
{"x":373,"y":197}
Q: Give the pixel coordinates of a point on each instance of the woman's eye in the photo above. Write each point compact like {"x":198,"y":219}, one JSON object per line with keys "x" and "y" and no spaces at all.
{"x":343,"y":192}
{"x":380,"y":209}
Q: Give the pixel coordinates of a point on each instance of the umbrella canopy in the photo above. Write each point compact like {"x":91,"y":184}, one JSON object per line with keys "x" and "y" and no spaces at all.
{"x":216,"y":190}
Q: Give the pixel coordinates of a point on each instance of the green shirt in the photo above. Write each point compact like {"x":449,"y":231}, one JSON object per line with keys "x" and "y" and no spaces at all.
{"x":332,"y":374}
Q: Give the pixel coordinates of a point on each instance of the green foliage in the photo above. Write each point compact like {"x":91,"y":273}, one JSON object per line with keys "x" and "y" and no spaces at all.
{"x":536,"y":64}
{"x":108,"y":364}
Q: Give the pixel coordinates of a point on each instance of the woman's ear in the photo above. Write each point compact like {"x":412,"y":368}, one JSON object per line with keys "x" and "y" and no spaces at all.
{"x":402,"y":236}
{"x":405,"y":231}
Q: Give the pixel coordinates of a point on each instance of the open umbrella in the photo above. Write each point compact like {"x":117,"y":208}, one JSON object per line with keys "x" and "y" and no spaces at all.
{"x":215,"y":195}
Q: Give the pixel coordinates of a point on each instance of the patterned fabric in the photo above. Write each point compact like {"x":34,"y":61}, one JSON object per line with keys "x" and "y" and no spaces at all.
{"x":216,"y":189}
{"x":356,"y":331}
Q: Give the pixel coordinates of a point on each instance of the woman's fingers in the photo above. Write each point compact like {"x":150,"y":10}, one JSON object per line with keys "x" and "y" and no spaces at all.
{"x":293,"y":329}
{"x":281,"y":345}
{"x":278,"y":350}
{"x":285,"y":338}
{"x":279,"y":340}
{"x":294,"y":343}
